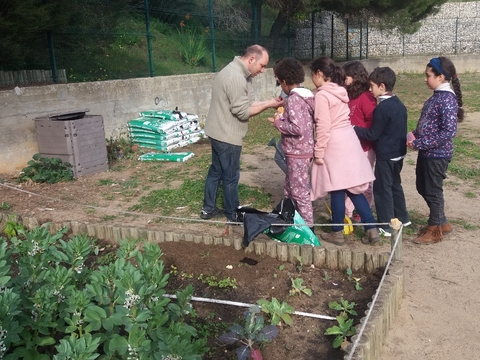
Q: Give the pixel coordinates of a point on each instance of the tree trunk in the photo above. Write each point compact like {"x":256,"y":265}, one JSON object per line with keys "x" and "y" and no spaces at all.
{"x":277,"y":26}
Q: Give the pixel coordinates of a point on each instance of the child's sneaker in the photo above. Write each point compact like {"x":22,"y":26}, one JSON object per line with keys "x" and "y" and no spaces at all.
{"x":384,"y":232}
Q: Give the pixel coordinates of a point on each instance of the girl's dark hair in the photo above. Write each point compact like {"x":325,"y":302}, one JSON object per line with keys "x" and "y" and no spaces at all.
{"x":359,"y":74}
{"x":329,"y":69}
{"x":450,"y":74}
{"x":290,"y":70}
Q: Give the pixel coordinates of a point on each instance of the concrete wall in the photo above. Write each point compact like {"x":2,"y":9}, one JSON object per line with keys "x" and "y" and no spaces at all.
{"x":119,"y":101}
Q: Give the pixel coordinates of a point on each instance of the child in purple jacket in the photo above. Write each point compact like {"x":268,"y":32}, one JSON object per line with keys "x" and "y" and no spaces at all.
{"x":296,"y":126}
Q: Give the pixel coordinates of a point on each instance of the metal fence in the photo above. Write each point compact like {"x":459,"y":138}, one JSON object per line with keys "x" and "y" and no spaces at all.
{"x":153,"y":47}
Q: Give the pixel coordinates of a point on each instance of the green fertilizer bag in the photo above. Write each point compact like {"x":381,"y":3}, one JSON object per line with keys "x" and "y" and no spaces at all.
{"x":302,"y":235}
{"x":177,"y":157}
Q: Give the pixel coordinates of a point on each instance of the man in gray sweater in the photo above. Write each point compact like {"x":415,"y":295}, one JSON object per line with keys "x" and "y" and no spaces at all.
{"x":226,"y":124}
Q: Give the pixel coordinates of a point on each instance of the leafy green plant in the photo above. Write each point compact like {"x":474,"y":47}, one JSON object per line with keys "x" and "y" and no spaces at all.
{"x":252,"y":332}
{"x":300,"y":263}
{"x":298,"y":288}
{"x":192,"y":44}
{"x":46,"y":170}
{"x":5,"y":205}
{"x":343,"y":306}
{"x":118,"y":148}
{"x":69,"y":311}
{"x":355,"y":279}
{"x":343,"y":330}
{"x":12,"y":228}
{"x":212,"y":281}
{"x":277,"y":311}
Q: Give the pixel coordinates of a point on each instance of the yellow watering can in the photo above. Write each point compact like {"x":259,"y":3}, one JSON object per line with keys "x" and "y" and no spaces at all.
{"x":348,"y":228}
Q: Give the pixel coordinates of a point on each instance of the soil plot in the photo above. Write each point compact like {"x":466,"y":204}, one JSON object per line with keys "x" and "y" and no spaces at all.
{"x":247,"y":278}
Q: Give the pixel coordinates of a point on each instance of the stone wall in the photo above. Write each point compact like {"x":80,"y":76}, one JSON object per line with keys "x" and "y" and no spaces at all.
{"x":455,"y":29}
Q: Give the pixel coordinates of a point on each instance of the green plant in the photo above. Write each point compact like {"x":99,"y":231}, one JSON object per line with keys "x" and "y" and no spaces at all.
{"x":300,"y":263}
{"x":69,"y":311}
{"x":352,"y":278}
{"x":343,"y":330}
{"x":343,"y":306}
{"x":212,"y":281}
{"x":46,"y":170}
{"x":192,"y":44}
{"x":12,"y":228}
{"x":470,"y":195}
{"x":298,"y":288}
{"x":277,"y":311}
{"x":252,"y":332}
{"x":118,"y":148}
{"x":325,"y":275}
{"x":5,"y":206}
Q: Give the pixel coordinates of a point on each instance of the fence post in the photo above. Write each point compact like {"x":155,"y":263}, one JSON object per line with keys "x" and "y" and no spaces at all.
{"x":456,"y":35}
{"x":255,"y":21}
{"x":212,"y":36}
{"x":51,"y":52}
{"x":331,"y":37}
{"x":361,"y":38}
{"x":366,"y":45}
{"x":346,"y":39}
{"x":289,"y":48}
{"x":313,"y":35}
{"x":149,"y":38}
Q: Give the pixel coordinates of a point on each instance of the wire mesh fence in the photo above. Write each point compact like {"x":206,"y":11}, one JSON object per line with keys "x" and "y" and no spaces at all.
{"x":162,"y":38}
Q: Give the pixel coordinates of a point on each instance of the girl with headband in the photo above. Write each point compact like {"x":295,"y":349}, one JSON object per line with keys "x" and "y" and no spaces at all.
{"x":433,"y":138}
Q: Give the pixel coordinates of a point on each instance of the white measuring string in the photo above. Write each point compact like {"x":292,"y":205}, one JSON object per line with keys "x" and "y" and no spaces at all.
{"x":176,"y":218}
{"x":367,"y":317}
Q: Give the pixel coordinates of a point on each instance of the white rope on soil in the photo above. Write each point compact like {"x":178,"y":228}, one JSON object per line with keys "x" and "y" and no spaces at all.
{"x":166,"y":217}
{"x":367,"y":317}
{"x":240,"y":304}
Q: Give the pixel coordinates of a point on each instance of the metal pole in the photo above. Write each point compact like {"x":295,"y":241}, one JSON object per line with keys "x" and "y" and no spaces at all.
{"x":51,"y":53}
{"x":403,"y":45}
{"x":313,"y":35}
{"x":212,"y":37}
{"x":331,"y":39}
{"x":366,"y":45}
{"x":255,"y":21}
{"x":346,"y":39}
{"x":149,"y":38}
{"x":288,"y":40}
{"x":456,"y":35}
{"x":361,"y":38}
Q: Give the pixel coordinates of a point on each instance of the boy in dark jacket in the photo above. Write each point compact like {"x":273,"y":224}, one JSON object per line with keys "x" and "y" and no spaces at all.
{"x":388,"y":133}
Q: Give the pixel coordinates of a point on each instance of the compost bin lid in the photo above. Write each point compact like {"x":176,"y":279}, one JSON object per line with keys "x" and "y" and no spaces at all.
{"x":66,"y":115}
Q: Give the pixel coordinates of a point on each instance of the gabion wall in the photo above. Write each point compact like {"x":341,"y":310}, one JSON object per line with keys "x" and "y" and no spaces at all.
{"x":454,"y":30}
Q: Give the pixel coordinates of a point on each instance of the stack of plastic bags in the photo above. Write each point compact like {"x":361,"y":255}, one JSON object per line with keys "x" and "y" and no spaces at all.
{"x":164,"y":130}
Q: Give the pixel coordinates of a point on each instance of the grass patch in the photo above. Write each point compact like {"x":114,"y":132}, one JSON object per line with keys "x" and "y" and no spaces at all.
{"x":470,"y":195}
{"x":190,"y":195}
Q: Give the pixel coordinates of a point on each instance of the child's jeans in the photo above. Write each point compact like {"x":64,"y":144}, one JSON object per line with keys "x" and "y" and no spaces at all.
{"x":337,"y":201}
{"x":430,"y":175}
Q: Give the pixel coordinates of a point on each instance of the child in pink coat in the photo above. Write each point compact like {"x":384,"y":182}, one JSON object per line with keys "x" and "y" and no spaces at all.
{"x":340,"y":166}
{"x":296,"y":127}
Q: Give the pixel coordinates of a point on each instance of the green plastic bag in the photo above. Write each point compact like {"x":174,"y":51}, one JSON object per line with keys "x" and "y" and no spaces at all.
{"x":296,"y":234}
